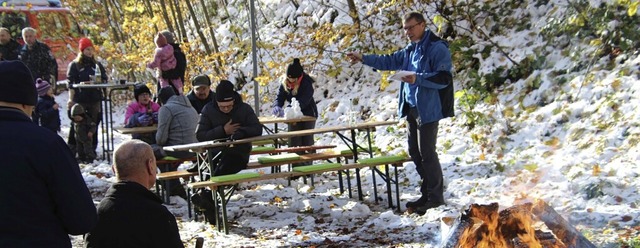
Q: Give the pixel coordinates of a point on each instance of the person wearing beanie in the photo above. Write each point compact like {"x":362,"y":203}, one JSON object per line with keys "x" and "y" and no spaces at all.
{"x":229,"y":118}
{"x":46,"y":113}
{"x":201,"y":93}
{"x":164,"y":60}
{"x":38,"y":57}
{"x":9,"y":47}
{"x":84,"y":131}
{"x":177,"y":122}
{"x":425,"y":97}
{"x":181,"y":59}
{"x":141,"y":113}
{"x":46,"y":198}
{"x":297,"y":85}
{"x":80,"y":71}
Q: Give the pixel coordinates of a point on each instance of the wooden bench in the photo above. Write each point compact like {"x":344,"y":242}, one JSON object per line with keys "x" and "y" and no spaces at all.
{"x":222,"y":190}
{"x":162,"y":178}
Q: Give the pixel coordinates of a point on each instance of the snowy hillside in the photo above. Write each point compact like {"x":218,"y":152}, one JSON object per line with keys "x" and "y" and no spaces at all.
{"x":566,"y":133}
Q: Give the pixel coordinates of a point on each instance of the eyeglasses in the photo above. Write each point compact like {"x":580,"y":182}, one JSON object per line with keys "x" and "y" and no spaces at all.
{"x":227,"y":106}
{"x":411,"y":27}
{"x":291,"y":79}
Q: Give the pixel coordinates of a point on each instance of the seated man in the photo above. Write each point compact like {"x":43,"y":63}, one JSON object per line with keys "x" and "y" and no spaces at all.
{"x":130,"y":215}
{"x":229,"y":118}
{"x":141,"y":113}
{"x":201,"y":93}
{"x":177,"y":122}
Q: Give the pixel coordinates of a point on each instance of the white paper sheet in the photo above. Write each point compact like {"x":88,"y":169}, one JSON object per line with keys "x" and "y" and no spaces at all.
{"x":399,"y":74}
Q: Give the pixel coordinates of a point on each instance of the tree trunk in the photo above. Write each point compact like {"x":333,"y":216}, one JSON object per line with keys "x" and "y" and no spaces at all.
{"x":165,"y":15}
{"x":211,"y":31}
{"x":175,"y":20}
{"x":149,"y":9}
{"x":183,"y":30}
{"x":114,"y":30}
{"x":353,"y":12}
{"x":197,"y":27}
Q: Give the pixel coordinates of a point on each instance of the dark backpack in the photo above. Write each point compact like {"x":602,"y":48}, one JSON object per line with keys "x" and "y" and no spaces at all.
{"x":446,"y":99}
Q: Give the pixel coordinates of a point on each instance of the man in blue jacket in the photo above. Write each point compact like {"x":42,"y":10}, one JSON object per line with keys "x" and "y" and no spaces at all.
{"x":426,"y":96}
{"x":44,"y":197}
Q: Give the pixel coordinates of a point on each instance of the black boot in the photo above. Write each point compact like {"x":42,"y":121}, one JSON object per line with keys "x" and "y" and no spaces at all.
{"x":415,"y":204}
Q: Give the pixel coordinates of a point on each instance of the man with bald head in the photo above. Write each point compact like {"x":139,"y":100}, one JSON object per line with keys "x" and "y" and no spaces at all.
{"x":130,"y":215}
{"x":9,"y":47}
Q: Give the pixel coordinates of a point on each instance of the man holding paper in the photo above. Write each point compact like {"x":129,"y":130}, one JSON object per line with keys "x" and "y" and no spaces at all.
{"x":426,"y":96}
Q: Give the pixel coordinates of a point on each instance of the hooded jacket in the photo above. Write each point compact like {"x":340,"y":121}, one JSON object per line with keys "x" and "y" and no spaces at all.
{"x":211,"y":127}
{"x":177,"y":122}
{"x":434,"y":94}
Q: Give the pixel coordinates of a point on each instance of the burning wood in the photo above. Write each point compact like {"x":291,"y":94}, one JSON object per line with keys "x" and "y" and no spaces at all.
{"x":485,"y":226}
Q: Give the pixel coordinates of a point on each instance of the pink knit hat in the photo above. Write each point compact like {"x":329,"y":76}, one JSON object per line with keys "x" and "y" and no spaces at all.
{"x":42,"y":87}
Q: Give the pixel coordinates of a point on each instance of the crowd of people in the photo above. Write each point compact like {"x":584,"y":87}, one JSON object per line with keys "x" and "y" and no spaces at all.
{"x":129,"y":215}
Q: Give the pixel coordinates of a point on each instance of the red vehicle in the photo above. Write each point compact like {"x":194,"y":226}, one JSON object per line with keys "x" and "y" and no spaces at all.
{"x":53,"y":22}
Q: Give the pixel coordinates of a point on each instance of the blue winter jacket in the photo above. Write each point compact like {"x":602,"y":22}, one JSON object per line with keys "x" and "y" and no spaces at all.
{"x":44,"y":196}
{"x":435,"y":61}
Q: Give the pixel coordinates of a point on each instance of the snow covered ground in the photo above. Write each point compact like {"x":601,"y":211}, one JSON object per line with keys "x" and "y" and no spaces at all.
{"x":572,"y":142}
{"x":588,"y":176}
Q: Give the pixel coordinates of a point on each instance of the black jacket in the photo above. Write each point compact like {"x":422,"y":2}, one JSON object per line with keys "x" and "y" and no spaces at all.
{"x":304,"y":96}
{"x":10,"y":51}
{"x":132,"y":216}
{"x":40,"y":61}
{"x":80,"y":72}
{"x":44,"y":114}
{"x":211,"y":127}
{"x":44,"y":197}
{"x":199,"y":104}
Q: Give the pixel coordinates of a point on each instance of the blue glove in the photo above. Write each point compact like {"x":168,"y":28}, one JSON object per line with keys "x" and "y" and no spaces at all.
{"x":144,"y":120}
{"x":278,"y":111}
{"x":155,"y":117}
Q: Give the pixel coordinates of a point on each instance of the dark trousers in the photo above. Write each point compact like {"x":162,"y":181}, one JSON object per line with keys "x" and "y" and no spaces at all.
{"x":94,"y":111}
{"x":302,"y":140}
{"x":84,"y":145}
{"x":231,"y":161}
{"x":422,"y":148}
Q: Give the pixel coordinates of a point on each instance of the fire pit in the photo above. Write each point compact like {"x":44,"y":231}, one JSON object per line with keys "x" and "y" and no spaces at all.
{"x":527,"y":225}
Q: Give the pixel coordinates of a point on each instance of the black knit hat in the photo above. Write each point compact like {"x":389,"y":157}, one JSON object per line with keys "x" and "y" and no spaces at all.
{"x":17,"y":84}
{"x":165,"y":94}
{"x":225,"y":91}
{"x":295,"y":69}
{"x":138,"y":89}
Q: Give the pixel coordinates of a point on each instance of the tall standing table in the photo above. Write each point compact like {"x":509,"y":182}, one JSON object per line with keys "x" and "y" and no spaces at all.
{"x":107,"y":113}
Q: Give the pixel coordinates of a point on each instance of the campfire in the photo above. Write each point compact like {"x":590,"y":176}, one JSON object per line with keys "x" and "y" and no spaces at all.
{"x":529,"y":225}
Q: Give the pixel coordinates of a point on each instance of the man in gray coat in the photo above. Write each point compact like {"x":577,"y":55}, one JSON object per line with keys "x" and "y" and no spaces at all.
{"x":177,"y":122}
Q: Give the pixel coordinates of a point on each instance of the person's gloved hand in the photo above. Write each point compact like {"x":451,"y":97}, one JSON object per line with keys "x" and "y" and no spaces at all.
{"x":278,"y":111}
{"x":144,"y":120}
{"x":155,"y":117}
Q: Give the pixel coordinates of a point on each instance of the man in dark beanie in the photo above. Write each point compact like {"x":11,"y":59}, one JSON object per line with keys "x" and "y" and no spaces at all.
{"x":229,"y":118}
{"x":201,"y":93}
{"x":46,"y":198}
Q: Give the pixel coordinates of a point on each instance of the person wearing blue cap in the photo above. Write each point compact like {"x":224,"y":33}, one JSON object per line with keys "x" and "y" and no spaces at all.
{"x":45,"y":196}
